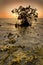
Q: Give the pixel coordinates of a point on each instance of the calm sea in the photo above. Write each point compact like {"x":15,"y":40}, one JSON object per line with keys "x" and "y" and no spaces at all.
{"x":28,"y":35}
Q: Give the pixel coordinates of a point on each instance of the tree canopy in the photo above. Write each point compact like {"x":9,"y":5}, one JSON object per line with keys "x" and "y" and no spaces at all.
{"x":26,"y":13}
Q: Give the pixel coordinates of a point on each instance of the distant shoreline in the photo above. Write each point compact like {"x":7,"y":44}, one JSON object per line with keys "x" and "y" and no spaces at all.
{"x":14,"y":18}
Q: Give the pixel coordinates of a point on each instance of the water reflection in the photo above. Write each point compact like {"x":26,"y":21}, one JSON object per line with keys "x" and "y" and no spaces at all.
{"x":21,"y":30}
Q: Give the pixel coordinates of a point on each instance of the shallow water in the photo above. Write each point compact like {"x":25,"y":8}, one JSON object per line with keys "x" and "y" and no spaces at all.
{"x":30,"y":37}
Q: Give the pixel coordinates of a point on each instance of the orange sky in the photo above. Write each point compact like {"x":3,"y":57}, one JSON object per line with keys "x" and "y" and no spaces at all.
{"x":5,"y":12}
{"x":8,"y":14}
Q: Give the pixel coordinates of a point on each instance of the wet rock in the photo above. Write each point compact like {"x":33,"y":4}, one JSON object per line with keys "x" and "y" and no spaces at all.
{"x":18,"y":35}
{"x":12,"y":41}
{"x":30,"y":63}
{"x":20,"y":57}
{"x":21,"y":46}
{"x":37,"y":34}
{"x":33,"y":60}
{"x":40,"y":52}
{"x":12,"y":49}
{"x":9,"y":35}
{"x":15,"y":63}
{"x":0,"y":25}
{"x":4,"y":48}
{"x":4,"y":36}
{"x":13,"y":37}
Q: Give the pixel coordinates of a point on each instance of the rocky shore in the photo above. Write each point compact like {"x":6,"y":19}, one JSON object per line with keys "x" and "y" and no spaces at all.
{"x":11,"y":54}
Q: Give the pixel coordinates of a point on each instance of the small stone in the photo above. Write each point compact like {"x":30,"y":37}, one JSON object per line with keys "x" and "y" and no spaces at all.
{"x":9,"y":35}
{"x":37,"y":34}
{"x":12,"y":41}
{"x":15,"y":63}
{"x":0,"y":25}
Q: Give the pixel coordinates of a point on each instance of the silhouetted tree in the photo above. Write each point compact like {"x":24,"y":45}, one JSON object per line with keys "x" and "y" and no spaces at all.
{"x":26,"y":14}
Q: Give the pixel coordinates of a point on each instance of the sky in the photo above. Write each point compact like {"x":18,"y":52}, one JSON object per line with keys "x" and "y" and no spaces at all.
{"x":7,"y":5}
